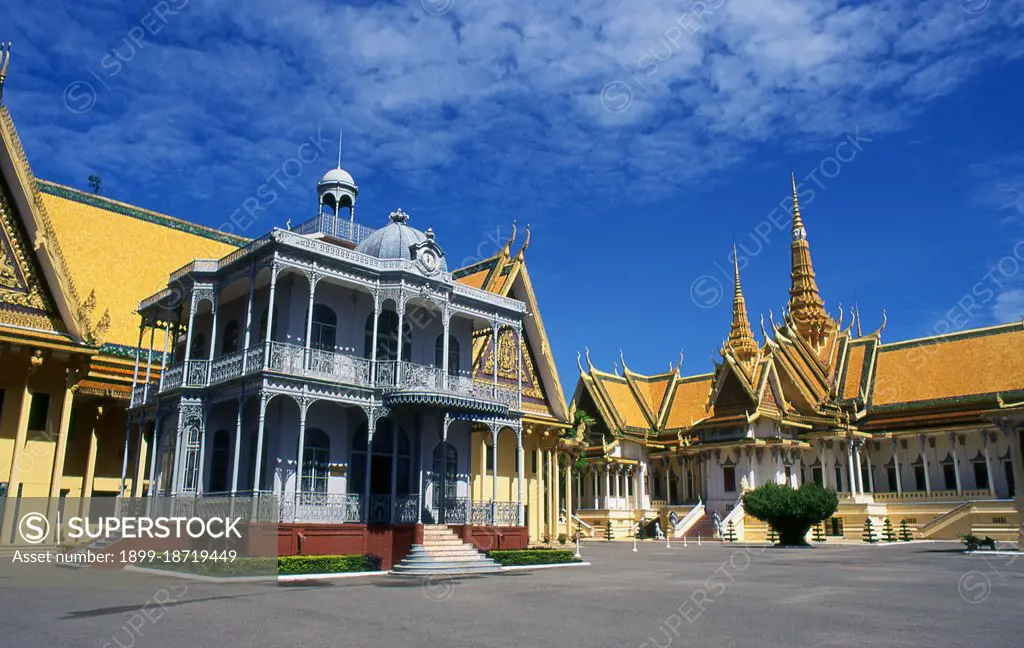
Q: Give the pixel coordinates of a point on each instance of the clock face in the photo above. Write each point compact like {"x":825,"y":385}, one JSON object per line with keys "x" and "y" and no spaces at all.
{"x":429,"y":260}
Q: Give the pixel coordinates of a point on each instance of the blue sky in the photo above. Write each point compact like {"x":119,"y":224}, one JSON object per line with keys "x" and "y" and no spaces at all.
{"x":638,"y":141}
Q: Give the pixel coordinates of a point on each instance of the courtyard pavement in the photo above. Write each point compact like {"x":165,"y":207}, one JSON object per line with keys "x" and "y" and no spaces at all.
{"x":924,"y":594}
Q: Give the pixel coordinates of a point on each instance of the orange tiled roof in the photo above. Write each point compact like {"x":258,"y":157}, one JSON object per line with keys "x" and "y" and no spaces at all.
{"x":688,"y":401}
{"x":854,"y":370}
{"x":984,"y":361}
{"x":621,"y":399}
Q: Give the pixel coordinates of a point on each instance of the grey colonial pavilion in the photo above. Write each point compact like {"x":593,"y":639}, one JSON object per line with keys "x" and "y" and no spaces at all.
{"x":327,"y":368}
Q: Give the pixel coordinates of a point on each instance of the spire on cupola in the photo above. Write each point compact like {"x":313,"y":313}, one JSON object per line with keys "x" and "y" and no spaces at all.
{"x":741,"y":336}
{"x":805,"y":305}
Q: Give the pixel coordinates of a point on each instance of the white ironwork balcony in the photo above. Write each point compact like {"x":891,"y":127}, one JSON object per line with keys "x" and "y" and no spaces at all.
{"x":333,"y":226}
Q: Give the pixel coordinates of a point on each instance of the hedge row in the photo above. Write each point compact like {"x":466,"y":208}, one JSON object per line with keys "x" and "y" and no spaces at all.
{"x":508,"y":558}
{"x":327,"y":564}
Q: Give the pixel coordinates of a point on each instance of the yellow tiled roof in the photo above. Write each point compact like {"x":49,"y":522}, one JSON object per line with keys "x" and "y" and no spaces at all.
{"x":475,"y":280}
{"x":621,"y":398}
{"x":854,"y":371}
{"x":691,"y":395}
{"x":123,"y":258}
{"x":986,"y":361}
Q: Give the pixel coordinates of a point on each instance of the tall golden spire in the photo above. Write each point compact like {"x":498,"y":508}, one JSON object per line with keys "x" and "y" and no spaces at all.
{"x":741,"y":337}
{"x":805,"y":305}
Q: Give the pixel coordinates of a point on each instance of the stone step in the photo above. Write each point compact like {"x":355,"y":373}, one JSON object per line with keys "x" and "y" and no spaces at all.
{"x":448,"y":551}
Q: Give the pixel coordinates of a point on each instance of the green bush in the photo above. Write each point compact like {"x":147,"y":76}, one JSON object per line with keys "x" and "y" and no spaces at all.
{"x":609,"y":535}
{"x":888,"y":532}
{"x":819,"y":532}
{"x":730,"y":532}
{"x":511,"y":557}
{"x":905,"y":534}
{"x":562,"y":538}
{"x":869,"y":531}
{"x":327,"y":564}
{"x":791,"y":512}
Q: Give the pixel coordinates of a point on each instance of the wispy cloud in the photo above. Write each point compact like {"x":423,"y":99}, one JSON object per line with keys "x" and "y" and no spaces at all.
{"x":488,"y":92}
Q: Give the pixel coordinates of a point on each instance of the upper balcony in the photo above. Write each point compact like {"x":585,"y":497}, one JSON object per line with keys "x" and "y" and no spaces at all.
{"x":398,"y":382}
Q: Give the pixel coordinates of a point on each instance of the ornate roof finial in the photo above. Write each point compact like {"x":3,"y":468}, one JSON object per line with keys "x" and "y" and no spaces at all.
{"x":623,"y":358}
{"x":579,"y":363}
{"x":680,"y":363}
{"x":856,"y":317}
{"x":398,"y":216}
{"x":741,"y":337}
{"x":5,"y":60}
{"x":805,"y":304}
{"x":522,"y":251}
{"x":589,"y":363}
{"x":798,"y":222}
{"x":507,"y":250}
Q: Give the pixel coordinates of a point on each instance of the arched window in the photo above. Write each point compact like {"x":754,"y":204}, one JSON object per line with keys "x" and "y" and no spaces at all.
{"x":324,"y":332}
{"x":453,"y":354}
{"x":230,"y":341}
{"x":263,"y":326}
{"x":316,"y":461}
{"x":387,"y":337}
{"x":220,"y":462}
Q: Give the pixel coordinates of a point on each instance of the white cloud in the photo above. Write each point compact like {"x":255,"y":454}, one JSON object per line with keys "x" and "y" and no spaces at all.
{"x":1009,"y":306}
{"x":221,"y":95}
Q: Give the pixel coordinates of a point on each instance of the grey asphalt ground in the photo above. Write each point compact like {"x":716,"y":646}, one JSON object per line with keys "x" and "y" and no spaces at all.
{"x":925,"y":594}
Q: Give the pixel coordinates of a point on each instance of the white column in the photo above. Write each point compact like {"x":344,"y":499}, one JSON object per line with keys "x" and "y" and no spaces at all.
{"x":871,"y":470}
{"x":520,"y":479}
{"x":302,"y":443}
{"x":248,"y":321}
{"x":956,"y":462}
{"x":153,"y":483}
{"x":924,"y":463}
{"x":260,"y":427}
{"x":668,"y":481}
{"x":373,"y":344}
{"x":309,"y":316}
{"x":494,"y":479}
{"x":270,"y":317}
{"x":988,"y":463}
{"x":237,"y":445}
{"x":213,"y":336}
{"x":188,"y":334}
{"x":851,"y":480}
{"x":860,"y":469}
{"x":401,"y":339}
{"x":445,"y":322}
{"x":607,"y":487}
{"x":163,"y":361}
{"x":1014,"y":436}
{"x":896,"y":465}
{"x":824,"y":466}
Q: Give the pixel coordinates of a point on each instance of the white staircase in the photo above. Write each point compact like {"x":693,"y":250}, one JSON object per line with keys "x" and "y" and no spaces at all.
{"x":443,"y":552}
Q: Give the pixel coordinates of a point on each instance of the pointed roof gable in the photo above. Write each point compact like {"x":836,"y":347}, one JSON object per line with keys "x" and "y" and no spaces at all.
{"x":506,"y":275}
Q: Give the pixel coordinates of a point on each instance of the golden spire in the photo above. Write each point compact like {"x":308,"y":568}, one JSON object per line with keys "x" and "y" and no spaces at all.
{"x":741,"y":337}
{"x":506,"y":251}
{"x":805,"y":305}
{"x":5,"y":60}
{"x":522,"y":250}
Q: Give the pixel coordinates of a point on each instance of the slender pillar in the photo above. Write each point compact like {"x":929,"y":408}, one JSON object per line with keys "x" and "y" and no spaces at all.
{"x":247,"y":336}
{"x":956,"y":463}
{"x":257,"y":482}
{"x":924,"y":463}
{"x":860,"y":469}
{"x":824,"y":466}
{"x":124,"y":456}
{"x":140,"y":462}
{"x":445,"y":332}
{"x":270,"y":319}
{"x":557,"y":495}
{"x":90,"y":468}
{"x":70,"y":387}
{"x":520,"y":480}
{"x":668,"y":481}
{"x":494,"y":350}
{"x":851,"y":479}
{"x":568,"y":498}
{"x":896,"y":466}
{"x":538,"y":455}
{"x":871,"y":470}
{"x":213,"y":335}
{"x":189,"y":335}
{"x":163,"y":360}
{"x":494,"y":478}
{"x":988,"y":464}
{"x":154,"y":483}
{"x":373,"y":344}
{"x":1017,"y":460}
{"x":237,"y":446}
{"x":401,"y":339}
{"x":302,"y":444}
{"x":309,"y":318}
{"x":519,"y":365}
{"x":371,"y":428}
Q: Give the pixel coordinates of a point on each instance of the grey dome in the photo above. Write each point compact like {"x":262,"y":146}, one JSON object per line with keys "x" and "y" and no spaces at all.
{"x":339,"y":176}
{"x":396,"y":240}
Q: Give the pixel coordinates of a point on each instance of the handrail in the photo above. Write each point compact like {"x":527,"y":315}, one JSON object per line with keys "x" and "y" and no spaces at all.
{"x":691,"y":517}
{"x":949,"y":516}
{"x":575,"y":518}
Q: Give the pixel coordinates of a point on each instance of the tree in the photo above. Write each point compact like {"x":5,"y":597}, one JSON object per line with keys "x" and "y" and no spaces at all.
{"x":730,"y":532}
{"x":905,"y":534}
{"x":819,"y":532}
{"x":791,"y":512}
{"x":888,"y":533}
{"x":772,"y":536}
{"x":95,"y":182}
{"x":608,"y":534}
{"x":869,"y":531}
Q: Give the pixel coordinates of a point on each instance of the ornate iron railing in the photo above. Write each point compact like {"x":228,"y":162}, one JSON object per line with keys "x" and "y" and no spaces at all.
{"x":506,"y":514}
{"x":406,"y":509}
{"x":196,"y":373}
{"x":336,"y":227}
{"x":226,"y":367}
{"x":379,"y":509}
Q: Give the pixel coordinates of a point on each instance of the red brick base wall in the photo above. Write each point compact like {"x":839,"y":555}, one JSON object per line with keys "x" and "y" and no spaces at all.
{"x":391,"y":542}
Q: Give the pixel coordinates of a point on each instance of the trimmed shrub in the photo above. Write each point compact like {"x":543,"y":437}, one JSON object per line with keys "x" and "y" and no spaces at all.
{"x":730,"y":532}
{"x":905,"y":534}
{"x":791,"y":512}
{"x":327,"y":564}
{"x":608,"y":534}
{"x":562,"y":538}
{"x":888,"y":533}
{"x":510,"y":557}
{"x":869,"y":531}
{"x":819,"y":532}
